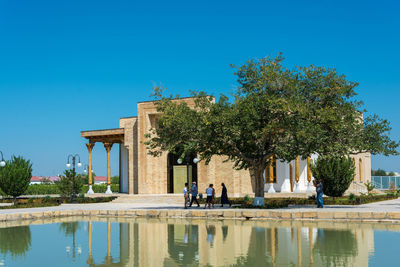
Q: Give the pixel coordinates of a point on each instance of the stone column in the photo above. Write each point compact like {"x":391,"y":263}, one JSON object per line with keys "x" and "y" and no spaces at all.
{"x":273,"y":246}
{"x":291,"y":176}
{"x":108,"y":146}
{"x":310,"y":188}
{"x":108,"y":242}
{"x":297,"y":176}
{"x":271,"y":189}
{"x":310,"y":239}
{"x":90,"y":178}
{"x":90,"y":259}
{"x":299,"y":258}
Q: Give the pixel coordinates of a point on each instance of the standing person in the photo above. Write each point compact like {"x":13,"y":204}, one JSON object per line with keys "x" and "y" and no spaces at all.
{"x":319,"y":187}
{"x":193,"y":190}
{"x":213,"y":195}
{"x":186,"y":194}
{"x":209,"y":193}
{"x":224,"y":196}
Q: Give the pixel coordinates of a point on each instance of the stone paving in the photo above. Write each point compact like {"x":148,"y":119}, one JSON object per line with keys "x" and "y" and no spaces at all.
{"x":379,"y":211}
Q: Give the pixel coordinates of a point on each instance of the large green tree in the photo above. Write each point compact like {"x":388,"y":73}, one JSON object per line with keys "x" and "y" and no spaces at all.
{"x":274,"y":111}
{"x":15,"y":176}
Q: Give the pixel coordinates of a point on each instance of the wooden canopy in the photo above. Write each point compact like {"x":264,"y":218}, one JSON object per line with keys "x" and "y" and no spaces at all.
{"x":105,"y":136}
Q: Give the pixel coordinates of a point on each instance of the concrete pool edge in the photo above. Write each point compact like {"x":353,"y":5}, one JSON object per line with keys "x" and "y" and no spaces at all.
{"x":366,"y":216}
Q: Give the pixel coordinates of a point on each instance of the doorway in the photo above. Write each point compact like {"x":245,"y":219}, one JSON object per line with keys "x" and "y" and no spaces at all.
{"x":180,"y":173}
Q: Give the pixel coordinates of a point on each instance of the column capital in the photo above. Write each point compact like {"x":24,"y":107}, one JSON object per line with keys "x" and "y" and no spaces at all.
{"x":90,"y":146}
{"x":108,"y":146}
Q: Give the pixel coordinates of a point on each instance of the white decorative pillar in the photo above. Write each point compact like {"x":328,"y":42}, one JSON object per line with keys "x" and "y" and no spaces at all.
{"x":310,"y":187}
{"x":285,"y":188}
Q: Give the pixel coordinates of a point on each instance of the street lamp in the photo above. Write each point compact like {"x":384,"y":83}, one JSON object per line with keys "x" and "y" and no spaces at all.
{"x":187,"y":159}
{"x":85,"y":168}
{"x":73,"y":157}
{"x":2,"y":162}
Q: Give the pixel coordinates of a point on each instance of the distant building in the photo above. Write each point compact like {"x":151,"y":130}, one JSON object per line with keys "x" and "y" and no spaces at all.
{"x":43,"y":179}
{"x":141,"y":173}
{"x":100,"y":180}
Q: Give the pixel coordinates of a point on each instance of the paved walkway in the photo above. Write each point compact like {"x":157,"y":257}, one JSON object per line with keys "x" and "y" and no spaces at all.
{"x":154,"y":204}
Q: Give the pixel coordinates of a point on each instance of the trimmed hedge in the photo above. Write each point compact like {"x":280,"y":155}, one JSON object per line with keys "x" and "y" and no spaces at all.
{"x":47,"y":201}
{"x":52,"y":189}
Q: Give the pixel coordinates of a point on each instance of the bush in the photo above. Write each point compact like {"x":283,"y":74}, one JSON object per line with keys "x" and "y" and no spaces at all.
{"x":42,"y":189}
{"x":336,"y":173}
{"x":370,"y":187}
{"x":70,"y":185}
{"x":15,"y":176}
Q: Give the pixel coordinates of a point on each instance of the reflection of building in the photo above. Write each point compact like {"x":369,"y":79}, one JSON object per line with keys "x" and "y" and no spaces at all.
{"x":143,"y":174}
{"x":236,"y":243}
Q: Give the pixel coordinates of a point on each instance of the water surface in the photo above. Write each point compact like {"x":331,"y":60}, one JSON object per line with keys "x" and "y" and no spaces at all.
{"x":180,"y":242}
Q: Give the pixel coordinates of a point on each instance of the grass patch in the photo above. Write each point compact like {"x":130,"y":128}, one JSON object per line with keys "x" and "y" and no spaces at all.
{"x":52,"y":189}
{"x":276,"y":203}
{"x":36,"y":202}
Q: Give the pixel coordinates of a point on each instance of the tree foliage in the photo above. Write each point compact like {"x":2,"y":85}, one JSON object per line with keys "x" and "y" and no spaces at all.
{"x":15,"y":176}
{"x":15,"y":240}
{"x":336,"y":173}
{"x":274,"y":111}
{"x":70,"y":184}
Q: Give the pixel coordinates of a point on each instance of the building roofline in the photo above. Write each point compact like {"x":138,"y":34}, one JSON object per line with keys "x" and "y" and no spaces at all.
{"x":101,"y":130}
{"x":131,"y":117}
{"x":179,"y":98}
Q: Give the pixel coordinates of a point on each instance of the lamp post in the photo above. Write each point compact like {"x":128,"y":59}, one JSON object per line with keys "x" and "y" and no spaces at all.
{"x":2,"y":162}
{"x":73,"y":159}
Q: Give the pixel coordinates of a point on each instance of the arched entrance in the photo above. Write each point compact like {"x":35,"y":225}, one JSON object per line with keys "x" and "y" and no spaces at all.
{"x":180,"y":173}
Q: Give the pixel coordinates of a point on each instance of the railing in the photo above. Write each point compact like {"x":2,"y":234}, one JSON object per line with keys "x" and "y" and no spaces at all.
{"x":385,"y":182}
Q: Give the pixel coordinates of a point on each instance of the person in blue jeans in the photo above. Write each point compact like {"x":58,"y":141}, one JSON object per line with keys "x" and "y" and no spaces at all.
{"x":193,"y":190}
{"x":319,"y":187}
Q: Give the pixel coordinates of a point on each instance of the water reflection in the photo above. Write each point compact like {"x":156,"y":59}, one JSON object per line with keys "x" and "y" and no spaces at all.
{"x":178,"y":242}
{"x":15,"y":240}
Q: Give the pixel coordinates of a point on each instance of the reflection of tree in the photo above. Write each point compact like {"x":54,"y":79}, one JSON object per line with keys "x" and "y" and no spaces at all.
{"x":259,"y":239}
{"x":335,"y":247}
{"x":16,"y":240}
{"x":69,"y":229}
{"x":183,"y":249}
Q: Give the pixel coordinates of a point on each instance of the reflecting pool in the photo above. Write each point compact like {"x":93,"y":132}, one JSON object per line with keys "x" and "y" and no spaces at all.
{"x":105,"y":241}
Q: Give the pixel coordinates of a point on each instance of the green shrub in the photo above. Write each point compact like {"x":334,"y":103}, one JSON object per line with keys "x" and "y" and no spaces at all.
{"x":15,"y":176}
{"x":352,"y":197}
{"x":370,"y":187}
{"x":336,"y":173}
{"x":70,"y":185}
{"x":246,"y":198}
{"x":42,"y":189}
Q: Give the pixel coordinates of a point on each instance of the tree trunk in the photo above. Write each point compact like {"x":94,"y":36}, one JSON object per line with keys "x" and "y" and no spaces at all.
{"x":256,"y":174}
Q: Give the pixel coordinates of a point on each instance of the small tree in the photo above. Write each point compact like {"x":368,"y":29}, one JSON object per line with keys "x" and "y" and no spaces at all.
{"x":370,"y":187}
{"x":336,"y":173}
{"x":70,"y":184}
{"x":15,"y":176}
{"x":379,"y":172}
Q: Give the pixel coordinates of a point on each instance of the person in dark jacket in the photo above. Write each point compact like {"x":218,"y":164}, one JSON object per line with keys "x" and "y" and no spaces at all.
{"x":224,"y":196}
{"x":320,"y":192}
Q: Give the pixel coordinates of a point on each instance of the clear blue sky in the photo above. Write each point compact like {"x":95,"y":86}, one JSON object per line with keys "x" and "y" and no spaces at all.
{"x":67,"y":66}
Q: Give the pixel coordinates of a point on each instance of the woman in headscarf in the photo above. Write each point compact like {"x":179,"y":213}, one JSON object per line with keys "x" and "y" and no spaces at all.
{"x":224,"y":196}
